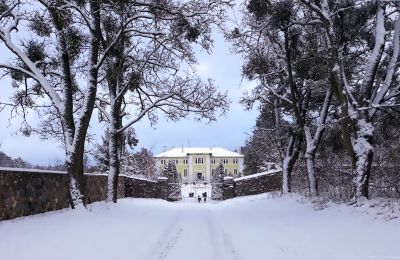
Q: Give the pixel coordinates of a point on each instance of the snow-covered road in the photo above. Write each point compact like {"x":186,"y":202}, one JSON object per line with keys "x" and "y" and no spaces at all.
{"x":252,"y":228}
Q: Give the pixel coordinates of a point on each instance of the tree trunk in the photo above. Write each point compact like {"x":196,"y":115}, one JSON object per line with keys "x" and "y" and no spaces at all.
{"x":114,"y":148}
{"x":289,"y":159}
{"x":112,"y":182}
{"x":76,"y":178}
{"x":312,"y":179}
{"x":363,"y":153}
{"x":287,"y":176}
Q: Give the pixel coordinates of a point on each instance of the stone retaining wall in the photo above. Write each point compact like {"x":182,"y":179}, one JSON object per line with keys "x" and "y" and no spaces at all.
{"x":140,"y":188}
{"x":29,"y":191}
{"x":253,"y":184}
{"x":25,"y":193}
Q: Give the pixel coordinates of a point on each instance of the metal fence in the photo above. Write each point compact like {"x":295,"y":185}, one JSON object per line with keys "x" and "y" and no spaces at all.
{"x":198,"y":192}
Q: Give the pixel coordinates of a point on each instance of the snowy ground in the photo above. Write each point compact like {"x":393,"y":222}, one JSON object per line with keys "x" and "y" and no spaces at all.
{"x":252,"y":228}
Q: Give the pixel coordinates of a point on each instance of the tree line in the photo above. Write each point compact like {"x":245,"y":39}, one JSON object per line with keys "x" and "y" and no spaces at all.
{"x":328,"y":88}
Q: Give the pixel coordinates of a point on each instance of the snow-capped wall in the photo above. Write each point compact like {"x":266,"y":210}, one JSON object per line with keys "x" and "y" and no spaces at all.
{"x":258,"y":183}
{"x":29,"y":191}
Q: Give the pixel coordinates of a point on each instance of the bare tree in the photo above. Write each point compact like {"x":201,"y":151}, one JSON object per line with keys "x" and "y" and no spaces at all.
{"x":149,"y":72}
{"x":60,"y":62}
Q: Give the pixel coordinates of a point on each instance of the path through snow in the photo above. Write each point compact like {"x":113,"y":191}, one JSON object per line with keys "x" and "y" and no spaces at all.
{"x":249,"y":228}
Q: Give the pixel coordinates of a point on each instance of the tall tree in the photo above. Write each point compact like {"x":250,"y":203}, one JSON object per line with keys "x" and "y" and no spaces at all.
{"x":363,"y":40}
{"x":146,"y":72}
{"x":61,"y":62}
{"x":261,"y":146}
{"x":280,"y":53}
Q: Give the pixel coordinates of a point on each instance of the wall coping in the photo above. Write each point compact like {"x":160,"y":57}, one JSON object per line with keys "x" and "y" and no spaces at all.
{"x":15,"y":170}
{"x":34,"y":171}
{"x":253,"y":176}
{"x":136,"y":178}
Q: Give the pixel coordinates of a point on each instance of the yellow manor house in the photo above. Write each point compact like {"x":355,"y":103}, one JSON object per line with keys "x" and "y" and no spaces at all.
{"x":199,"y":163}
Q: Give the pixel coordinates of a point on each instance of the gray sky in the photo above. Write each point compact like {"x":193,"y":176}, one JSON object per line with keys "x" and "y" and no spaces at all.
{"x":229,"y":132}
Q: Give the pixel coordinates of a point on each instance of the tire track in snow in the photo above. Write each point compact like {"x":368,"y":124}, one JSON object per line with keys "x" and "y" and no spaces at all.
{"x":169,"y":245}
{"x":229,"y":247}
{"x":154,"y":252}
{"x":214,"y":239}
{"x":220,"y":240}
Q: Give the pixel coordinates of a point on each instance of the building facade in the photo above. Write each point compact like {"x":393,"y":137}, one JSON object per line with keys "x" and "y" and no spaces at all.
{"x":199,"y":164}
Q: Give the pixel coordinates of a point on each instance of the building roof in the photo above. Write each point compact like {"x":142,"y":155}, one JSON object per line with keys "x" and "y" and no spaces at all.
{"x":184,"y":151}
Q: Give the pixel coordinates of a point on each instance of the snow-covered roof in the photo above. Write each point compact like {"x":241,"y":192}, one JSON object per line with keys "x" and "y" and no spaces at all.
{"x":184,"y":151}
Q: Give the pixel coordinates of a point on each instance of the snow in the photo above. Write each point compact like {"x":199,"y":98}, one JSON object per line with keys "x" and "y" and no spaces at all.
{"x":258,"y":175}
{"x":254,"y":228}
{"x":9,"y":169}
{"x":183,"y":151}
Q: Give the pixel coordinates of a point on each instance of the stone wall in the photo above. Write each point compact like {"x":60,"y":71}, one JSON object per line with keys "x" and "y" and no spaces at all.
{"x":140,"y":188}
{"x":257,"y":183}
{"x":29,"y":191}
{"x":96,"y":187}
{"x":25,"y":193}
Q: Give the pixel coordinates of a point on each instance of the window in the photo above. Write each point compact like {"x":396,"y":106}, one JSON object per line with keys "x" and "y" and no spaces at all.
{"x":185,"y":161}
{"x":212,"y":172}
{"x":226,"y":171}
{"x":185,"y":173}
{"x":224,"y":161}
{"x":213,"y":161}
{"x":235,"y":171}
{"x":162,"y":161}
{"x":235,"y":160}
{"x":174,"y":161}
{"x":199,"y":160}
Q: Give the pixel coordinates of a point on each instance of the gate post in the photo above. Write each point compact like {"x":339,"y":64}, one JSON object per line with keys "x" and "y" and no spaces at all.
{"x":228,"y":188}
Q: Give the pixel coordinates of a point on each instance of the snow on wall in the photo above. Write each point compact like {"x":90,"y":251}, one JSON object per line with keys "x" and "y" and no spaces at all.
{"x":29,"y":191}
{"x":258,"y":183}
{"x":258,"y":175}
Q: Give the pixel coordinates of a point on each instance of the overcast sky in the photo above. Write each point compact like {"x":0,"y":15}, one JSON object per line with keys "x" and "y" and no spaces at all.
{"x":229,"y":132}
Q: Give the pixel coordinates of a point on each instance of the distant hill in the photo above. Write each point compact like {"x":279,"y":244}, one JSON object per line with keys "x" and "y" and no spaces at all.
{"x":7,"y":161}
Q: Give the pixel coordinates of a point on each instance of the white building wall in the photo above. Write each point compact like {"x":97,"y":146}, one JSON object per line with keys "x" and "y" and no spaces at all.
{"x":240,"y":161}
{"x":208,"y":168}
{"x":190,"y":173}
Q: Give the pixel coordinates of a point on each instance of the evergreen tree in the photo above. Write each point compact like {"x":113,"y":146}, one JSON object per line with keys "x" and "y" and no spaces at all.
{"x":217,"y":183}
